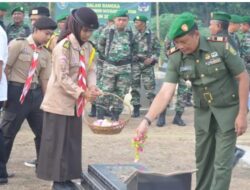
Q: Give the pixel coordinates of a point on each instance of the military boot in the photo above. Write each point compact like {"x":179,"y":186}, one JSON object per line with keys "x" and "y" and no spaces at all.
{"x":93,"y":111}
{"x":136,"y":111}
{"x":177,"y":119}
{"x":162,"y":119}
{"x":100,"y":113}
{"x":115,"y":116}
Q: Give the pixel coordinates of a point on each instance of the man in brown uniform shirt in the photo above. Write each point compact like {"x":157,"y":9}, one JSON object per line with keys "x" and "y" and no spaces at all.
{"x":21,"y":56}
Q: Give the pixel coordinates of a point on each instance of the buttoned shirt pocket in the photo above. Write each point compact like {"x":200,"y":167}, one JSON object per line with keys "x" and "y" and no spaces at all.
{"x":187,"y":70}
{"x":217,"y":69}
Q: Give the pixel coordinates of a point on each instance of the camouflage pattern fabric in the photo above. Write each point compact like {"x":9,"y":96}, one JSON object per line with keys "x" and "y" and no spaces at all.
{"x":140,"y":71}
{"x":245,"y":50}
{"x":14,"y":31}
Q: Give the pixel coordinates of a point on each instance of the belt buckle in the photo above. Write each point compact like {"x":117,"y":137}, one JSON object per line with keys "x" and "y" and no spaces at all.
{"x":208,"y":97}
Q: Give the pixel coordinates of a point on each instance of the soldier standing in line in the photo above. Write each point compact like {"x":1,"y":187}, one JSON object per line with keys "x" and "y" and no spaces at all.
{"x":233,"y":28}
{"x":219,"y":29}
{"x":100,"y":59}
{"x":245,"y":42}
{"x":145,"y":56}
{"x":17,"y":28}
{"x":28,"y":69}
{"x":116,"y":47}
{"x":183,"y":94}
{"x":220,"y":86}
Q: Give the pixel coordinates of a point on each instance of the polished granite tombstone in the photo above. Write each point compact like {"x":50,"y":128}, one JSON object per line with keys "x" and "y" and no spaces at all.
{"x":109,"y":176}
{"x":133,"y":177}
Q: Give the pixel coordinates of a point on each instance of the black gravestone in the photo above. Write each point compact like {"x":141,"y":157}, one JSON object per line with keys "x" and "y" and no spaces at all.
{"x":132,"y":177}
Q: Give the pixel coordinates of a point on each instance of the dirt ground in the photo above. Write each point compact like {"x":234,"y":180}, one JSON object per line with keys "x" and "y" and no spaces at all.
{"x":168,"y":149}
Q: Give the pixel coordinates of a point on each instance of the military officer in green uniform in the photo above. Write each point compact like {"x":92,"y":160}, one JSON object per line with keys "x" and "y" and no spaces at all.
{"x":219,"y":25}
{"x":145,"y":56}
{"x":18,"y":28}
{"x":220,"y":86}
{"x":233,"y":28}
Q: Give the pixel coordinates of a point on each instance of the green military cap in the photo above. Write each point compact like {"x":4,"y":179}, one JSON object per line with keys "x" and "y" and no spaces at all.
{"x":142,"y":18}
{"x":122,"y":13}
{"x":111,"y":17}
{"x":181,"y":25}
{"x":4,"y":6}
{"x":17,"y":9}
{"x":222,"y":16}
{"x":236,"y":19}
{"x":62,"y":17}
{"x":246,"y":19}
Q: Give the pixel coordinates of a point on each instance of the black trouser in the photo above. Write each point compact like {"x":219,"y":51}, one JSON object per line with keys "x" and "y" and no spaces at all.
{"x":15,"y":113}
{"x":3,"y":172}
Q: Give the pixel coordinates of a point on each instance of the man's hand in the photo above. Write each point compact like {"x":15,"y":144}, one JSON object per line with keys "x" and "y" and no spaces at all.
{"x":142,"y":129}
{"x":241,"y":124}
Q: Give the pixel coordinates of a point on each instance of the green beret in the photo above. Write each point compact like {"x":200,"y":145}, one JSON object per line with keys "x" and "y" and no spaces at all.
{"x":62,"y":17}
{"x":111,"y":17}
{"x":4,"y":6}
{"x":246,"y":19}
{"x":181,"y":26}
{"x":222,"y":16}
{"x":142,"y":18}
{"x":236,"y":19}
{"x":122,"y":13}
{"x":45,"y":23}
{"x":17,"y":9}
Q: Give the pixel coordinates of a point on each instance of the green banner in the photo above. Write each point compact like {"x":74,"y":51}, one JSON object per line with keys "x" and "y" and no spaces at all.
{"x":104,"y":9}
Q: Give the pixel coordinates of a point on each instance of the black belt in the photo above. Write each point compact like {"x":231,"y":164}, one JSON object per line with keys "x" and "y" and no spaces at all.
{"x":33,"y":85}
{"x":119,"y":63}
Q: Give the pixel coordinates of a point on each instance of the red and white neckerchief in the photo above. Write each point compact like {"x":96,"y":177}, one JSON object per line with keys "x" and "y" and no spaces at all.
{"x":32,"y":70}
{"x":82,"y":77}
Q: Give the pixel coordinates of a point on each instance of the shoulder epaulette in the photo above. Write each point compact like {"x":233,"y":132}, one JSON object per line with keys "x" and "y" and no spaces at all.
{"x":172,"y":50}
{"x":217,"y":39}
{"x":20,"y":38}
{"x":66,"y":44}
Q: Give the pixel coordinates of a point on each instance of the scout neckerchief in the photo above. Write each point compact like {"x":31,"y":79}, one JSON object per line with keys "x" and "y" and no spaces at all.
{"x":32,"y":70}
{"x":82,"y":83}
{"x":82,"y":79}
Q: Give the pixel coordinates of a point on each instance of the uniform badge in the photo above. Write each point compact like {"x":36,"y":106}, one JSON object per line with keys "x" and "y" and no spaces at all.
{"x":184,"y":28}
{"x":35,"y":12}
{"x":82,"y":52}
{"x":214,"y":54}
{"x":207,"y":56}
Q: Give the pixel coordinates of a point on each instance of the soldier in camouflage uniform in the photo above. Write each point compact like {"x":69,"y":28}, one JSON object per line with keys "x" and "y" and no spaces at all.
{"x":219,"y":25}
{"x":245,"y":42}
{"x":146,"y":53}
{"x":233,"y":28}
{"x":115,"y":46}
{"x":183,"y":96}
{"x":99,"y":62}
{"x":17,"y":28}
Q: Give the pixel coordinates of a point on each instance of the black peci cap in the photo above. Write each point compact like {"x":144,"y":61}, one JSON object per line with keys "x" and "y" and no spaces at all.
{"x":85,"y":16}
{"x":45,"y":23}
{"x":43,"y":11}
